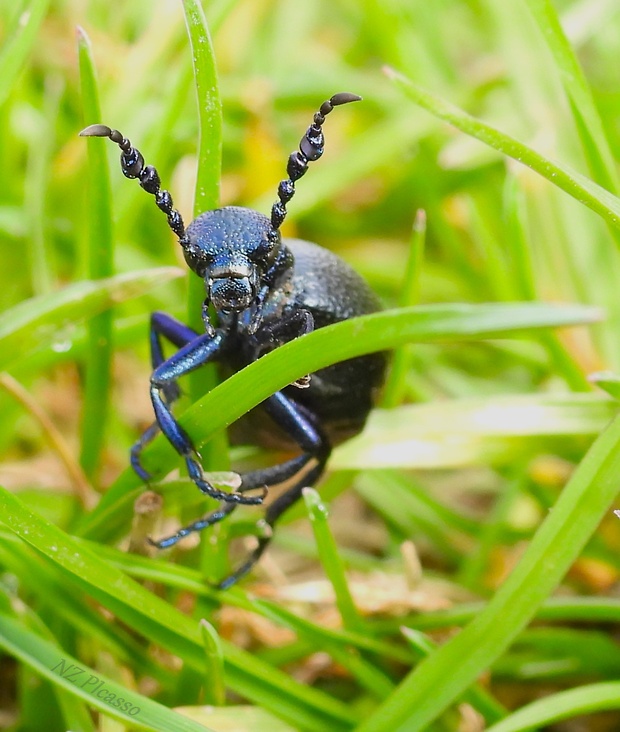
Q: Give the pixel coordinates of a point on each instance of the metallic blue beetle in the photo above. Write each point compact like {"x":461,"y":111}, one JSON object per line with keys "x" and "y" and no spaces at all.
{"x":265,"y":291}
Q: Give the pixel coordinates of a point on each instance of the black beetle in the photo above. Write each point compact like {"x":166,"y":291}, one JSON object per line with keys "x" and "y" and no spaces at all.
{"x":265,"y":291}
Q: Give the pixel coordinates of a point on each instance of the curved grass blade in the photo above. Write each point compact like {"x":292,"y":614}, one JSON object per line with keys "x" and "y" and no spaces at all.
{"x":90,"y":685}
{"x":442,"y":677}
{"x":48,"y":321}
{"x":589,"y":126}
{"x":335,"y":343}
{"x":563,"y":705}
{"x":368,"y":334}
{"x":575,"y":184}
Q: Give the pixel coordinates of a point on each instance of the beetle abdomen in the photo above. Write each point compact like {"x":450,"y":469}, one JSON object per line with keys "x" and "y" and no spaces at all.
{"x":343,"y":394}
{"x":327,"y":286}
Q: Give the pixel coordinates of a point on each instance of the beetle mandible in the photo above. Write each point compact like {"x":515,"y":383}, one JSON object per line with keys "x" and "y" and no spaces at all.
{"x":265,"y":291}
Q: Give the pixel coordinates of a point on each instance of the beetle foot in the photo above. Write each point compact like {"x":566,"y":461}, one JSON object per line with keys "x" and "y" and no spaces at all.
{"x":250,"y":562}
{"x":212,"y":518}
{"x":197,"y":475}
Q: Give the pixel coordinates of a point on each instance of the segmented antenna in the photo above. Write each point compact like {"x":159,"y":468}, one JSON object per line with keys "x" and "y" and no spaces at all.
{"x":132,"y":165}
{"x":310,"y":148}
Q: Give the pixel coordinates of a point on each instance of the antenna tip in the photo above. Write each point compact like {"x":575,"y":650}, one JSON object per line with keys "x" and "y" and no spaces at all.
{"x":344,"y":98}
{"x":96,"y":131}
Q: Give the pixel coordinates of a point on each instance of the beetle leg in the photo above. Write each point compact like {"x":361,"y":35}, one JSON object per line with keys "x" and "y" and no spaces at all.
{"x":300,"y":425}
{"x":193,"y":355}
{"x":249,"y":482}
{"x":179,"y":334}
{"x":295,"y":324}
{"x":274,"y":511}
{"x":212,"y":518}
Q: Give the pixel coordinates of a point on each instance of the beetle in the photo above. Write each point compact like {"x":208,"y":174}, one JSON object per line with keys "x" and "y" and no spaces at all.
{"x":265,"y":291}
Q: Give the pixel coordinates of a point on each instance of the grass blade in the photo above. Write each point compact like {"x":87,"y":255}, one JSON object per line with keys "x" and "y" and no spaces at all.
{"x":166,"y":626}
{"x":441,"y":678}
{"x":330,"y":559}
{"x":371,"y":333}
{"x":207,"y":193}
{"x":401,"y":358}
{"x":563,"y":705}
{"x":54,"y":664}
{"x":576,"y":185}
{"x":376,"y":332}
{"x":474,"y":431}
{"x":48,"y":321}
{"x":18,"y":45}
{"x":215,"y":691}
{"x":100,"y":264}
{"x":594,"y":140}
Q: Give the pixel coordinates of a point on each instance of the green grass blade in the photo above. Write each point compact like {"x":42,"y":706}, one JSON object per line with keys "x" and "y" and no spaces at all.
{"x":207,"y":193}
{"x":209,"y":109}
{"x":48,"y":321}
{"x":90,"y":685}
{"x":589,"y":126}
{"x":166,"y":626}
{"x":472,"y":431}
{"x":371,"y":333}
{"x":214,"y":689}
{"x":608,"y":381}
{"x":100,"y":264}
{"x":209,"y":152}
{"x":477,"y":696}
{"x":335,"y":343}
{"x":19,"y":42}
{"x":47,"y":582}
{"x":557,"y":609}
{"x":576,"y":185}
{"x":330,"y":559}
{"x":37,"y":189}
{"x":401,"y":358}
{"x":563,"y":705}
{"x":185,"y":578}
{"x":441,"y":678}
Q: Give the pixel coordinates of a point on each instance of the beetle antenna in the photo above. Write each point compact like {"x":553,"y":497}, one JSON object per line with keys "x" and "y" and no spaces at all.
{"x":132,"y":165}
{"x":310,"y":148}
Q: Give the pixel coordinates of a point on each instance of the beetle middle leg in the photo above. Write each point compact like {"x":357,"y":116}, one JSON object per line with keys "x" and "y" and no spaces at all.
{"x":301,"y":426}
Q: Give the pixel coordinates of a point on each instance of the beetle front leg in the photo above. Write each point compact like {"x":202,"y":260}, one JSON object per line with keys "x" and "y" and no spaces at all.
{"x":179,"y":334}
{"x":294,"y":325}
{"x":193,"y":355}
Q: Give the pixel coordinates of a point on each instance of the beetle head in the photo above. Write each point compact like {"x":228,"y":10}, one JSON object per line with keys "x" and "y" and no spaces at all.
{"x":233,"y":249}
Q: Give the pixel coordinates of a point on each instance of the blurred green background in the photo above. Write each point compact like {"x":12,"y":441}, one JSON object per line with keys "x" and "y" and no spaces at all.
{"x":482,"y":434}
